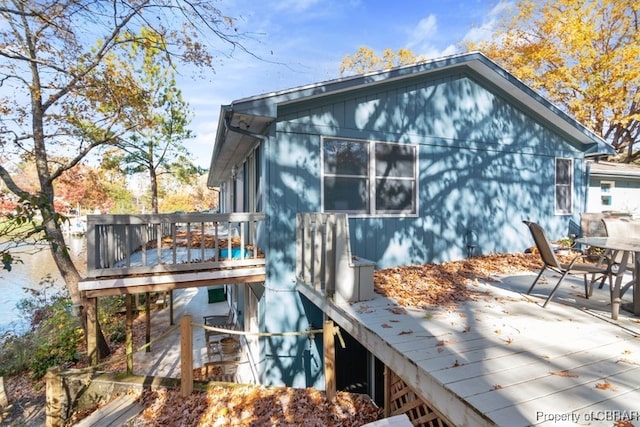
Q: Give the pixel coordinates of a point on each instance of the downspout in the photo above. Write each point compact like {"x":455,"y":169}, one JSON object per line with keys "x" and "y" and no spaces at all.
{"x":253,"y":363}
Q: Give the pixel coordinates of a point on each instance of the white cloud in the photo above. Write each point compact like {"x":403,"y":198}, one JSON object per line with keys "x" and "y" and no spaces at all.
{"x":484,"y":32}
{"x":423,"y":33}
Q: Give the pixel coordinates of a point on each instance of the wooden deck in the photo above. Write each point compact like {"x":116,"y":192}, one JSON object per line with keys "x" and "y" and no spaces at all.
{"x":163,"y":252}
{"x":504,"y":360}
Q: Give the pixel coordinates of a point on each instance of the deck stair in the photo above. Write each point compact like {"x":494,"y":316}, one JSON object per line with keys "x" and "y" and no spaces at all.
{"x":118,"y":412}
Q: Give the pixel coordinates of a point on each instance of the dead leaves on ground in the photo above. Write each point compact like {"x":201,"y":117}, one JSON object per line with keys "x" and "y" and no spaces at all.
{"x":447,"y":284}
{"x":254,"y":405}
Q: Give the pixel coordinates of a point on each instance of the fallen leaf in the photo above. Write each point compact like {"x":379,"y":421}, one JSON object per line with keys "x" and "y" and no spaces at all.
{"x":564,"y":373}
{"x":363,"y":308}
{"x":605,"y":386}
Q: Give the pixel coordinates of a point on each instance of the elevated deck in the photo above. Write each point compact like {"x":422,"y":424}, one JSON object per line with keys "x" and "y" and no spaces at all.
{"x":152,"y":253}
{"x":500,"y":358}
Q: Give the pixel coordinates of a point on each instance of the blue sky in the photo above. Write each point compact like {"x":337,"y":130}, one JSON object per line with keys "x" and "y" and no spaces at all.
{"x":304,"y":41}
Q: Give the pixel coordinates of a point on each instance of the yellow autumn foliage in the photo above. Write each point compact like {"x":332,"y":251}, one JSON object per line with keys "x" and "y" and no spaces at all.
{"x":583,"y":55}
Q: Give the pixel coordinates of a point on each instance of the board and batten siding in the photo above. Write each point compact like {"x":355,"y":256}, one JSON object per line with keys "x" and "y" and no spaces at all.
{"x":485,"y":164}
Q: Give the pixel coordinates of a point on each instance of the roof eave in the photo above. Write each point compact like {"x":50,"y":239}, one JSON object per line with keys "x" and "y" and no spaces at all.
{"x":236,"y":137}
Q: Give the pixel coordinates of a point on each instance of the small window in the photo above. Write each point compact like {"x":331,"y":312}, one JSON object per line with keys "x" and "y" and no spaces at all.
{"x":364,"y":177}
{"x":564,"y":186}
{"x":606,"y":193}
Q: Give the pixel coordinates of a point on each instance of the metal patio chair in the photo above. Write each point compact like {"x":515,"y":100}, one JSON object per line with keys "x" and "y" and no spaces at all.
{"x":598,"y":271}
{"x":620,"y":228}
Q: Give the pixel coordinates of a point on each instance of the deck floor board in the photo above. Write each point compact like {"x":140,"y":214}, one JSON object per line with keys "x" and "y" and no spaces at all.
{"x":502,"y":359}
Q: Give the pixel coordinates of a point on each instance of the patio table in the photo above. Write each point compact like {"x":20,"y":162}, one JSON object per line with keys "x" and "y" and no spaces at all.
{"x":626,"y":246}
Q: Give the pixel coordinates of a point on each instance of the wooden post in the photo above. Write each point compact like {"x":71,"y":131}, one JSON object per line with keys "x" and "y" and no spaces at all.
{"x":92,"y":332}
{"x":54,"y":406}
{"x":4,"y":401}
{"x":387,"y":392}
{"x":329,"y":360}
{"x":186,"y":356}
{"x":147,"y":309}
{"x":129,"y":333}
{"x":171,"y":322}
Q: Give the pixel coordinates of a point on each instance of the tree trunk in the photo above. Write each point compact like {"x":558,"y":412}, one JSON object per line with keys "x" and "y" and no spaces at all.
{"x":84,"y":309}
{"x":53,"y":232}
{"x":154,"y":190}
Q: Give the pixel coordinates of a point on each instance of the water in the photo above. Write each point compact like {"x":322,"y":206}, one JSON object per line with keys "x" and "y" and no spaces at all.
{"x":36,"y":265}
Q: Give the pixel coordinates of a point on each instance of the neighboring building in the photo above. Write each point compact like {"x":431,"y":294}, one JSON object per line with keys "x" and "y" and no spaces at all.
{"x":614,"y":187}
{"x":432,"y":162}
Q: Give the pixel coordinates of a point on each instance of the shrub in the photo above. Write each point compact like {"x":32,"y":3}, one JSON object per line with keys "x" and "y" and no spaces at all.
{"x":54,"y":337}
{"x":112,"y":326}
{"x":15,"y":352}
{"x":57,"y":339}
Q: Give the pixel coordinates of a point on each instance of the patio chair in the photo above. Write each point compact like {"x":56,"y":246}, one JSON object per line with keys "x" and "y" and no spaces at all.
{"x":598,"y":271}
{"x":620,"y":228}
{"x":213,"y":338}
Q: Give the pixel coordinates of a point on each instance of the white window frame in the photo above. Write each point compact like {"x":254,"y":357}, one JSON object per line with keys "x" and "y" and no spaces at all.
{"x":558,"y":185}
{"x":371,"y":180}
{"x":611,"y":185}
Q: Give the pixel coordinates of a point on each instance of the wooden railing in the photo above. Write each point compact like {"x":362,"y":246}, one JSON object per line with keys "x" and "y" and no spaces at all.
{"x":324,"y":259}
{"x":141,"y":244}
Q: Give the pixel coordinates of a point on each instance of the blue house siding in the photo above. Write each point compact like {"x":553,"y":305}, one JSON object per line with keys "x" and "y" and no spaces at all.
{"x":484,"y":166}
{"x":486,"y":148}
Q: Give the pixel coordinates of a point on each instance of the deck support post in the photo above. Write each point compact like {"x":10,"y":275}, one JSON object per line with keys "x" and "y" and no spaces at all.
{"x":171,"y":321}
{"x":147,"y":310}
{"x":186,"y":356}
{"x":387,"y":392}
{"x":328,"y":331}
{"x":129,"y":332}
{"x":92,"y":332}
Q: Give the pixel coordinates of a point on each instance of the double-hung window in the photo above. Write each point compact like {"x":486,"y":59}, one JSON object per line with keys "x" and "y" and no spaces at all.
{"x":367,"y":177}
{"x":564,"y":186}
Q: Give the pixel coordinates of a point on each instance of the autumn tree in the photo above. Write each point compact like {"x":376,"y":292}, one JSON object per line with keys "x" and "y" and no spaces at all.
{"x":82,"y":186}
{"x":67,"y":88}
{"x":584,"y":55}
{"x":156,"y":147}
{"x":365,"y":59}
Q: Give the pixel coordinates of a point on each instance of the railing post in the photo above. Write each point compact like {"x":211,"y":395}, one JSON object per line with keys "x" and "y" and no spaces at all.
{"x":329,"y":254}
{"x":299,"y":247}
{"x":186,"y":356}
{"x":93,"y":242}
{"x":308,"y":249}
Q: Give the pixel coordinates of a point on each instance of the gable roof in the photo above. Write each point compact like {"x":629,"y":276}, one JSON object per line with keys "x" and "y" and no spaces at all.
{"x":244,"y":122}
